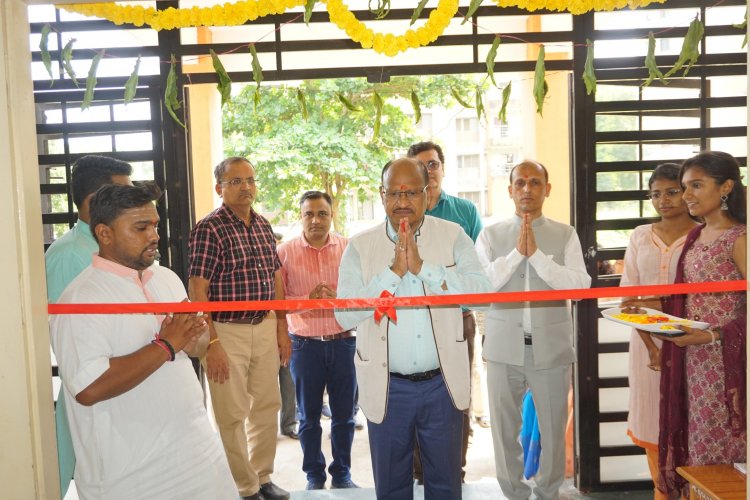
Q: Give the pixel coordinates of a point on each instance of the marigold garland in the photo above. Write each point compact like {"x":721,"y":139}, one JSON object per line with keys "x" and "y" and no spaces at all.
{"x":237,"y":13}
{"x":575,"y":6}
{"x":227,"y":14}
{"x":390,"y":44}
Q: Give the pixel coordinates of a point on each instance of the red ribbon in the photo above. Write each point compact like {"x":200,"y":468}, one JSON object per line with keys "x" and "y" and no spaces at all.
{"x":390,"y":302}
{"x":389,"y":311}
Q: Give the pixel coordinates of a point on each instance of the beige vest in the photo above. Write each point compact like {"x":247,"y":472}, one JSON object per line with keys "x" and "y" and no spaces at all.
{"x":435,"y":242}
{"x":551,"y":321}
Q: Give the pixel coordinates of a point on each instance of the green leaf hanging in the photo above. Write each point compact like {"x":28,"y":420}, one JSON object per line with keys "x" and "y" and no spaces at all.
{"x":256,"y":98}
{"x":473,"y":6}
{"x":257,"y":74}
{"x":347,"y":103}
{"x":170,"y":93}
{"x":540,"y":85}
{"x":502,"y":115}
{"x":589,"y":77}
{"x":459,"y":99}
{"x":225,"y":83}
{"x":88,"y":95}
{"x":67,"y":56}
{"x":653,"y":70}
{"x":491,"y":55}
{"x":309,"y":5}
{"x":131,"y":86}
{"x":377,"y":101}
{"x":479,"y":103}
{"x":418,"y":11}
{"x":302,"y":103}
{"x":743,"y":27}
{"x":690,"y":48}
{"x":43,"y":47}
{"x":416,"y":106}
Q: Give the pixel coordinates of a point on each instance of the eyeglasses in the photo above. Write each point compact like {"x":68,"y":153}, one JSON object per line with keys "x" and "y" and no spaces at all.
{"x":250,"y":181}
{"x":432,"y":165}
{"x":411,"y":195}
{"x":669,"y":193}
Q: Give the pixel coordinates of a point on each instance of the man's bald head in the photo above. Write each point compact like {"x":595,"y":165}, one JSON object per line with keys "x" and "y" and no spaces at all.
{"x":530,"y":163}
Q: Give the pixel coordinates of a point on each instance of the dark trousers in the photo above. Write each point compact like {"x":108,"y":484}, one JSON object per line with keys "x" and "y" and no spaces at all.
{"x":417,"y":412}
{"x":470,"y":327}
{"x":315,"y":366}
{"x":288,"y":415}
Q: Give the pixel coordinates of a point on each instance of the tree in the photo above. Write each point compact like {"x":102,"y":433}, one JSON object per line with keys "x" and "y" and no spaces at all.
{"x":334,"y":150}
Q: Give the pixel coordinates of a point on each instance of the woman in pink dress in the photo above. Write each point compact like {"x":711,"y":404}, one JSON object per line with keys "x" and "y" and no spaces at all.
{"x":651,"y":259}
{"x":702,"y":419}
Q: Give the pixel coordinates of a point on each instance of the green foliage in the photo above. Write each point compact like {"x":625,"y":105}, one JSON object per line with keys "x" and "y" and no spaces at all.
{"x":690,"y":48}
{"x":44,"y":51}
{"x":378,"y":103}
{"x":416,"y":107}
{"x":257,"y":76}
{"x":742,"y":26}
{"x":459,"y":99}
{"x":417,"y":12}
{"x":302,"y":104}
{"x":131,"y":86}
{"x":88,"y":95}
{"x":67,"y":56}
{"x":330,"y":151}
{"x":589,"y":77}
{"x":540,"y":84}
{"x":502,"y":116}
{"x":309,"y":6}
{"x":491,"y":55}
{"x":171,"y":102}
{"x":653,"y":70}
{"x":225,"y":83}
{"x":473,"y":6}
{"x":479,"y":103}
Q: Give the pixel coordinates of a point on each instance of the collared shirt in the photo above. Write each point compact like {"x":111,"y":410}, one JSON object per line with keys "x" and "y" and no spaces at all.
{"x":126,"y":445}
{"x":571,"y":274}
{"x":239,"y":261}
{"x":411,"y":345}
{"x":69,"y":255}
{"x":458,"y":210}
{"x":303,"y":267}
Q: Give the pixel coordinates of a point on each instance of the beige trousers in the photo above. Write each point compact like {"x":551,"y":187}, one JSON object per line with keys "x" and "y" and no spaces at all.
{"x":252,"y":394}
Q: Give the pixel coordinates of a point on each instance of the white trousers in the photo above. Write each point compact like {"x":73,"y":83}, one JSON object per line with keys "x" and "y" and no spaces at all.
{"x":506,"y":385}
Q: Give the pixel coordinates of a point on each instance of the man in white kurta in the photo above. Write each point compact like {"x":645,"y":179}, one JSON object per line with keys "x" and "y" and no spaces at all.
{"x":154,"y":440}
{"x":530,"y":345}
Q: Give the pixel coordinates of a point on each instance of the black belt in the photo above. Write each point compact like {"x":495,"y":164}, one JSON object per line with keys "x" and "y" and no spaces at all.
{"x":527,"y":340}
{"x":326,"y":338}
{"x":417,"y":377}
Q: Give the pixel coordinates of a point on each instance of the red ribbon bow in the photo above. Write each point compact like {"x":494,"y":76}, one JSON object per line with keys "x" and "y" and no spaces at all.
{"x":389,"y":311}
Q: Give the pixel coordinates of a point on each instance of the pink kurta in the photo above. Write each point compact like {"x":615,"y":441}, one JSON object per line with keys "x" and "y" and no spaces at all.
{"x":648,"y":261}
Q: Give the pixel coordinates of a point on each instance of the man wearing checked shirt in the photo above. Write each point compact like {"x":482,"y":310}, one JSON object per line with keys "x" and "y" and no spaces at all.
{"x":463,"y":212}
{"x":412,"y":372}
{"x":233,"y":258}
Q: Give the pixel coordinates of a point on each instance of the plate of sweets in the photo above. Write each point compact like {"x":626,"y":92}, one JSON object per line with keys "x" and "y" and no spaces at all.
{"x":651,"y":320}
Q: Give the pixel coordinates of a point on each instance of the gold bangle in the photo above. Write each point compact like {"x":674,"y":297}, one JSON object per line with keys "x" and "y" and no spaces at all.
{"x":713,"y":336}
{"x":211,"y":342}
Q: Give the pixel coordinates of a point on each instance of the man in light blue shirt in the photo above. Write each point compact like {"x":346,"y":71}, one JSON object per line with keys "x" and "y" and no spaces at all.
{"x":464,"y":213}
{"x":70,"y":254}
{"x":412,"y":370}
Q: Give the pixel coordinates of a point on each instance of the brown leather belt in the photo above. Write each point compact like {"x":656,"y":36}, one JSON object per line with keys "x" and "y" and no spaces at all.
{"x":326,"y":338}
{"x":256,"y":320}
{"x":417,"y":377}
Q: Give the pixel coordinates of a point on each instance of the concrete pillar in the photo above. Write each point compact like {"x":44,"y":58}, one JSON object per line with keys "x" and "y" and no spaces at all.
{"x":28,"y":463}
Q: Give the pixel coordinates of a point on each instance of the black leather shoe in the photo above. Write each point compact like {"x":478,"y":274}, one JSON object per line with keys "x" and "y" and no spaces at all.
{"x":340,"y":485}
{"x":253,"y":497}
{"x":312,"y":485}
{"x":270,"y":491}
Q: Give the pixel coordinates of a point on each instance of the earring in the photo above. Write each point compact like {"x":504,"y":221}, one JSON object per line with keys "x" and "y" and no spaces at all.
{"x":724,"y":199}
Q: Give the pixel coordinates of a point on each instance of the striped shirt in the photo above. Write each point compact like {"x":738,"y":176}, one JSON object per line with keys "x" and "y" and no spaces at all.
{"x":238,"y":261}
{"x":303,"y":267}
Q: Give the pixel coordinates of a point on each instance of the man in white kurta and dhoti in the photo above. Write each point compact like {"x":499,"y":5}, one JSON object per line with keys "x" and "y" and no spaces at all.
{"x":138,"y":423}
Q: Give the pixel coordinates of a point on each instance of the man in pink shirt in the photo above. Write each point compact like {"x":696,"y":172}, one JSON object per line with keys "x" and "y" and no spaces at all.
{"x":322,"y":352}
